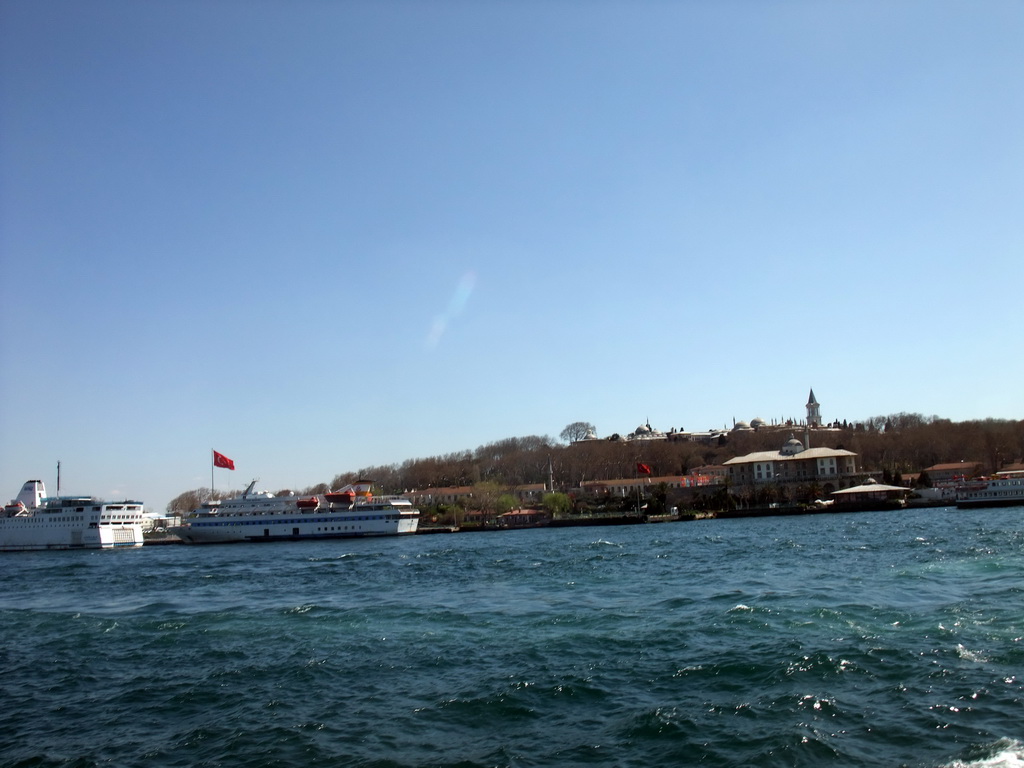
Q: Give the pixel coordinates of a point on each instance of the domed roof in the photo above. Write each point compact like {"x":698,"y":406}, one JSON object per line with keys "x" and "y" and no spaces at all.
{"x":757,"y":421}
{"x":741,"y":426}
{"x":792,"y":447}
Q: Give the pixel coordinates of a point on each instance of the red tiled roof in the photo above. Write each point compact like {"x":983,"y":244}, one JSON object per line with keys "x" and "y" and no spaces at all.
{"x":952,"y":466}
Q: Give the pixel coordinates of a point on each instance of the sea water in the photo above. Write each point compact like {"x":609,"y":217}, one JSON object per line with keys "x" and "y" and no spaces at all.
{"x":871,"y":639}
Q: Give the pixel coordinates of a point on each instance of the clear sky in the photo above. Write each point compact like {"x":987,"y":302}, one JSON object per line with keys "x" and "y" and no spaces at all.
{"x":319,"y":236}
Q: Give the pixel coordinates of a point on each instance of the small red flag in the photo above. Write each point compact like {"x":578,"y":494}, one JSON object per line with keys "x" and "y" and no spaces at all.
{"x":220,"y":460}
{"x":643,"y":469}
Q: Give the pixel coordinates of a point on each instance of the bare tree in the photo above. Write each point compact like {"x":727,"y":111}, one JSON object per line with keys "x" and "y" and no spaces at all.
{"x":576,"y":431}
{"x":902,"y":442}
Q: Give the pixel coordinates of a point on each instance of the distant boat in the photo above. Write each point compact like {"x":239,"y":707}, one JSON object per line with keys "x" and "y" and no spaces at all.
{"x":34,"y":521}
{"x":1005,"y":489}
{"x":350,"y":512}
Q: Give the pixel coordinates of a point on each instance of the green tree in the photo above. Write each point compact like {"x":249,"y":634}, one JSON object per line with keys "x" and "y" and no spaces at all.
{"x":506,"y":502}
{"x":556,"y":504}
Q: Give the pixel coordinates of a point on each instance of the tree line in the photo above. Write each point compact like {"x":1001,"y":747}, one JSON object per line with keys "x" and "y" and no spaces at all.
{"x":898,"y":443}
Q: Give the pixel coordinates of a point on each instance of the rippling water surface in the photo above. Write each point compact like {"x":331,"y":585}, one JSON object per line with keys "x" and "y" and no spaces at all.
{"x":874,"y":639}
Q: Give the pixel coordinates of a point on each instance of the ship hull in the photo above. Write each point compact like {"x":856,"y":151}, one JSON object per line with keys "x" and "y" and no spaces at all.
{"x":296,"y":528}
{"x":1010,"y":501}
{"x":34,"y":521}
{"x":25,"y":534}
{"x":1004,"y":489}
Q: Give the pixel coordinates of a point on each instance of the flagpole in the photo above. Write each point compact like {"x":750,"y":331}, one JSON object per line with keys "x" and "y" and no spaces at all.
{"x":636,"y":476}
{"x":211,"y":474}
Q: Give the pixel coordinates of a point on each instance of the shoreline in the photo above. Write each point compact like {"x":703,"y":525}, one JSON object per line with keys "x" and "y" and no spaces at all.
{"x":628,"y":519}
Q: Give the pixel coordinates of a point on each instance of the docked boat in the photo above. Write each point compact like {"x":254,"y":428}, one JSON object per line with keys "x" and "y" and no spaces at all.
{"x":1004,"y":489}
{"x":350,"y":512}
{"x":34,"y":521}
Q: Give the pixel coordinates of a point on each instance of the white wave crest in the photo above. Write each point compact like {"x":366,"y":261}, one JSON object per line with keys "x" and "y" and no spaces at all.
{"x":968,"y":654}
{"x":1004,"y":753}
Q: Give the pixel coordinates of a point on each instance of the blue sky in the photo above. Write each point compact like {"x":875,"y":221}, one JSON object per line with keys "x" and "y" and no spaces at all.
{"x":319,"y":236}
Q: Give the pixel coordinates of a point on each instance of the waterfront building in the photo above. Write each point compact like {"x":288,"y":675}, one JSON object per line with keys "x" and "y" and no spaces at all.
{"x":708,"y":474}
{"x":627,"y":486}
{"x":794,"y":462}
{"x":427,"y":497}
{"x":524,"y":518}
{"x":940,"y":474}
{"x":871,"y":492}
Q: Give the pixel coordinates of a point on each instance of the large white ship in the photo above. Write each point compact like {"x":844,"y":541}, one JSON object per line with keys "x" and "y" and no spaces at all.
{"x":33,"y":521}
{"x":260,"y":516}
{"x":1005,"y":489}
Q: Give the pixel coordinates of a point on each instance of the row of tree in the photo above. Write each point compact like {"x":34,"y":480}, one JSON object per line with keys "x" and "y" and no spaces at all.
{"x":898,"y":443}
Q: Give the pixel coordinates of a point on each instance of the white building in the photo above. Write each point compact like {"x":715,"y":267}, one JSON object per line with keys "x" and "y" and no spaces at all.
{"x":792,"y":463}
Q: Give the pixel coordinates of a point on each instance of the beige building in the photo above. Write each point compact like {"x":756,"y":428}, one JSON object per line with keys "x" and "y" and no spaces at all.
{"x":627,"y":486}
{"x":792,"y":463}
{"x":948,"y":473}
{"x":443,"y":495}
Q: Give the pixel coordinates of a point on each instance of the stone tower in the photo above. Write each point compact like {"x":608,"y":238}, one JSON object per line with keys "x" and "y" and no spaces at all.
{"x":813,"y":412}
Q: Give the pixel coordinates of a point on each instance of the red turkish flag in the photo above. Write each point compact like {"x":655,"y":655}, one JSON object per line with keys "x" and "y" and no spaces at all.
{"x":643,"y":469}
{"x":220,"y":460}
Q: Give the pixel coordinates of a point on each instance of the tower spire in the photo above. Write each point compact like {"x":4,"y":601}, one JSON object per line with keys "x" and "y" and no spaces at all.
{"x":813,"y":411}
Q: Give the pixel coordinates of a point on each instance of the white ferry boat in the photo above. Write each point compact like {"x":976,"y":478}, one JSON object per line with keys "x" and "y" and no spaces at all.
{"x":1005,"y":489}
{"x":260,"y":516}
{"x":33,"y":521}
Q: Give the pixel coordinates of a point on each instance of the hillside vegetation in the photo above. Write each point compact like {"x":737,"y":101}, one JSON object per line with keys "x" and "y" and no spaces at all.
{"x":899,"y":443}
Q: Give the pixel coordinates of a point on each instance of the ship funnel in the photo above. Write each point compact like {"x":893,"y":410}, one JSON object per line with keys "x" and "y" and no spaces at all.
{"x":362,"y":489}
{"x":32,"y":494}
